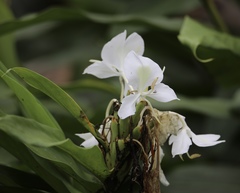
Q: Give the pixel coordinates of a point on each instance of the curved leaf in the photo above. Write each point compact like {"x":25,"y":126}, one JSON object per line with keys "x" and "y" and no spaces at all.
{"x":221,"y":51}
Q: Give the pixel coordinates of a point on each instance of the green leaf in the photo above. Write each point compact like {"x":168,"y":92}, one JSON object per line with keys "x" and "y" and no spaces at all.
{"x":32,"y":107}
{"x":77,"y":165}
{"x":7,"y":42}
{"x":78,"y":162}
{"x":168,"y":7}
{"x":56,"y":93}
{"x":214,"y":107}
{"x":43,"y":168}
{"x":82,"y":177}
{"x":29,"y":131}
{"x":8,"y":103}
{"x":66,"y":14}
{"x":159,"y":22}
{"x":36,"y":134}
{"x":219,"y":51}
{"x":94,"y":84}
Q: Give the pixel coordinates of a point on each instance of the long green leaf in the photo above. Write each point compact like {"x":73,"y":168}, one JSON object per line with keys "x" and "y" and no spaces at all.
{"x":75,"y":164}
{"x":93,"y":158}
{"x":66,"y":14}
{"x":219,"y":51}
{"x":40,"y":166}
{"x":7,"y":42}
{"x":48,"y":143}
{"x":32,"y":107}
{"x":56,"y":93}
{"x":29,"y":131}
{"x":214,"y":107}
{"x":94,"y":84}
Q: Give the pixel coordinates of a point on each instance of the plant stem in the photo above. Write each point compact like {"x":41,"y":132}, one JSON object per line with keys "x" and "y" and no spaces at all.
{"x":215,"y":15}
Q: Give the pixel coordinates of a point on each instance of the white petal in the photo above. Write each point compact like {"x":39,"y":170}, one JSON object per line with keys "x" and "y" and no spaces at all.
{"x":84,"y":136}
{"x":206,"y":140}
{"x":134,"y":42}
{"x":128,"y":106}
{"x":113,"y":51}
{"x":130,"y":67}
{"x":180,"y":143}
{"x":163,"y":93}
{"x":141,"y":71}
{"x":100,"y":70}
{"x":156,"y":71}
{"x":90,"y":141}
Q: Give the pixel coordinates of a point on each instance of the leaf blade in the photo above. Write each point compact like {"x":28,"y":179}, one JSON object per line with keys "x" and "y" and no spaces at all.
{"x":218,"y":51}
{"x":31,"y":105}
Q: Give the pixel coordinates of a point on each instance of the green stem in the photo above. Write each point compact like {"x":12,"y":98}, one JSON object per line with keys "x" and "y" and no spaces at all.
{"x":216,"y":17}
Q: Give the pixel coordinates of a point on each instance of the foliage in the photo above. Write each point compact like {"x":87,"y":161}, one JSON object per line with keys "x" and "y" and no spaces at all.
{"x":39,"y":118}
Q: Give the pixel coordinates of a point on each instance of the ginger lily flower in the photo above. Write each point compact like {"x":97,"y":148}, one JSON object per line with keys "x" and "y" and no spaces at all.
{"x":113,"y":55}
{"x":90,"y":140}
{"x":144,"y":80}
{"x":184,"y":138}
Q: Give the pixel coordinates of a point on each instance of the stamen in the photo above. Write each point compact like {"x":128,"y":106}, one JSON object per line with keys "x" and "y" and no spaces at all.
{"x":163,"y":69}
{"x":154,"y":83}
{"x":193,"y":156}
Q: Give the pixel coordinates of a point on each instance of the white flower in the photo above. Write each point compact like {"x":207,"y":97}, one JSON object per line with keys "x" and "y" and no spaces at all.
{"x":184,"y":138}
{"x":113,"y":55}
{"x":144,"y":79}
{"x":90,"y":140}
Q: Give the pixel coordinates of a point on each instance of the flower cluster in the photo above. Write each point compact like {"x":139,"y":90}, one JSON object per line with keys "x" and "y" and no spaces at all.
{"x":141,"y":78}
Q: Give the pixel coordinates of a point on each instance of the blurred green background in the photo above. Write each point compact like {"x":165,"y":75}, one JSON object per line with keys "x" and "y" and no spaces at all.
{"x":57,"y":38}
